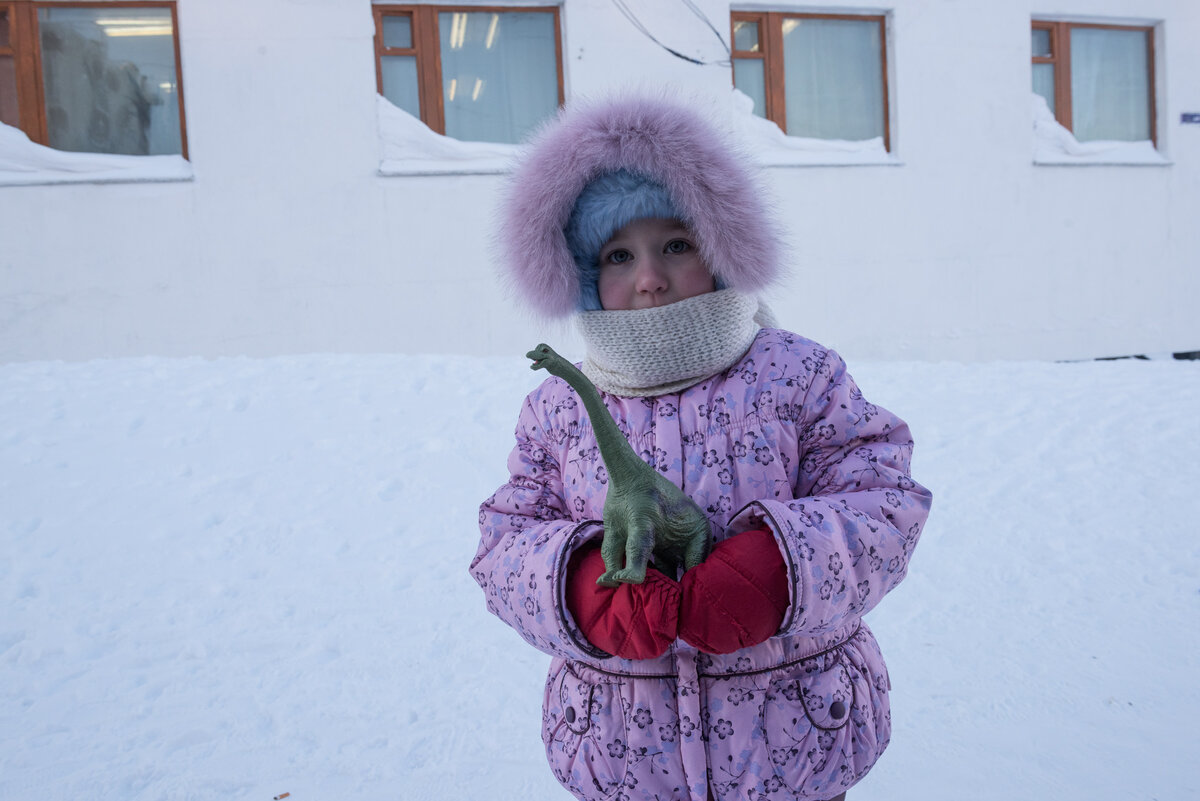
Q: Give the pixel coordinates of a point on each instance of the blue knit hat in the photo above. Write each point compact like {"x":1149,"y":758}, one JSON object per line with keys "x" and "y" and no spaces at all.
{"x":606,"y":205}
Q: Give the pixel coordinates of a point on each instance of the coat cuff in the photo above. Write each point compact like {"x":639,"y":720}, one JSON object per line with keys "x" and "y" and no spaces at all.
{"x":583,"y":534}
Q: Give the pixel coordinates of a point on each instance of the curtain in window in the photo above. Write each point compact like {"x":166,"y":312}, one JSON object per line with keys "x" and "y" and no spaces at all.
{"x":109,"y":80}
{"x":499,"y":73}
{"x":833,"y":76}
{"x":1110,"y":85}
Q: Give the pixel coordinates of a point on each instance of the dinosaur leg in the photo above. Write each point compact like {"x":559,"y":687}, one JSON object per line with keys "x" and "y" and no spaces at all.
{"x":698,"y":547}
{"x":638,"y":547}
{"x":612,"y":550}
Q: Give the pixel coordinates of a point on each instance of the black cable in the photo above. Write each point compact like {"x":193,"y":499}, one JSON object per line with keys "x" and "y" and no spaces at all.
{"x":629,"y":15}
{"x":708,"y":22}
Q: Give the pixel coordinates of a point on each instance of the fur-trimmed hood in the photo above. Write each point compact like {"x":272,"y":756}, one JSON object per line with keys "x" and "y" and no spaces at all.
{"x":652,"y":136}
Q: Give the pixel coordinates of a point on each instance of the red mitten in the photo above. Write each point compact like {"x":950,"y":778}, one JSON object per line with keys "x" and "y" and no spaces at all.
{"x":634,"y":621}
{"x":737,"y":597}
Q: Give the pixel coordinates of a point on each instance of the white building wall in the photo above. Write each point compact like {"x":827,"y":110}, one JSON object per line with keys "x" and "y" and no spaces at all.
{"x":287,"y":240}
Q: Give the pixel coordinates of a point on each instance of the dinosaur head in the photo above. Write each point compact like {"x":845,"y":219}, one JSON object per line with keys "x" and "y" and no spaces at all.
{"x":543,"y":357}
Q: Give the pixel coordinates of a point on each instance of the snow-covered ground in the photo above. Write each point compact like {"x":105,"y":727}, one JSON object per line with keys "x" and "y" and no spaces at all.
{"x":237,"y":578}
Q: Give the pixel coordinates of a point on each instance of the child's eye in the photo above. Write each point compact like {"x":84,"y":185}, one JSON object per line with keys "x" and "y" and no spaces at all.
{"x":618,"y":256}
{"x":678,"y":246}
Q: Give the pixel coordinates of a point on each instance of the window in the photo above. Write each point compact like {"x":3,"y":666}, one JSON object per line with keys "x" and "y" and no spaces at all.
{"x":822,"y":76}
{"x":10,"y":113}
{"x":1098,"y":80}
{"x":473,"y":73}
{"x":94,"y":78}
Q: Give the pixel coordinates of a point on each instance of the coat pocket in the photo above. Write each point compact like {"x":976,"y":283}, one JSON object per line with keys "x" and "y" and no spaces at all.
{"x":584,"y":731}
{"x":808,"y":706}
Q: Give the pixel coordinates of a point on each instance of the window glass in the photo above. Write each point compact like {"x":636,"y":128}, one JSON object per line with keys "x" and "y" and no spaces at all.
{"x":1110,"y":84}
{"x":109,"y":79}
{"x":397,"y":31}
{"x":833,"y":78}
{"x":748,"y":78}
{"x":400,"y":82}
{"x":1043,"y":83}
{"x":499,"y":73}
{"x":745,"y":36}
{"x":1041,"y":43}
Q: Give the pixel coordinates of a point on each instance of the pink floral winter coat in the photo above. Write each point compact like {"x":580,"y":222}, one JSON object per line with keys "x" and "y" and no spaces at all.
{"x":782,"y":439}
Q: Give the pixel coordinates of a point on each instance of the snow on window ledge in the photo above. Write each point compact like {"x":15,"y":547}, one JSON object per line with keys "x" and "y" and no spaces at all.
{"x":1055,"y":145}
{"x":411,"y":148}
{"x":771,"y":147}
{"x":25,"y":163}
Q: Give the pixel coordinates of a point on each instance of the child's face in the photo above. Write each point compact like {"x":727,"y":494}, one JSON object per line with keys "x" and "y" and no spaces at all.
{"x":651,"y":262}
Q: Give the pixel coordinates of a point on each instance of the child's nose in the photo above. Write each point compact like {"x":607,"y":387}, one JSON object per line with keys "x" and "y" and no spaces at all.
{"x":651,"y":275}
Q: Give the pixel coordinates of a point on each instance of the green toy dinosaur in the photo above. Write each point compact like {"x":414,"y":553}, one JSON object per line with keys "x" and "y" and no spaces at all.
{"x":645,"y":515}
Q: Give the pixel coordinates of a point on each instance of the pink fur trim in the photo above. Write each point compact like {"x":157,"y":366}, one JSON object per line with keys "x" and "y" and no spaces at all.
{"x":667,"y":142}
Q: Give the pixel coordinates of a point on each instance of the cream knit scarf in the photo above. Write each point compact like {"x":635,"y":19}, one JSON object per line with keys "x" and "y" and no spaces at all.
{"x":644,"y":352}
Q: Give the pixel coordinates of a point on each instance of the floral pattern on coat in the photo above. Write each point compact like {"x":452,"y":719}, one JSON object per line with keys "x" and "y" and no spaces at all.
{"x":785,"y":440}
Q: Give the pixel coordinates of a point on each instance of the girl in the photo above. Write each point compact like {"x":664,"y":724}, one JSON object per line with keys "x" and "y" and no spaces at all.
{"x":751,"y":676}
